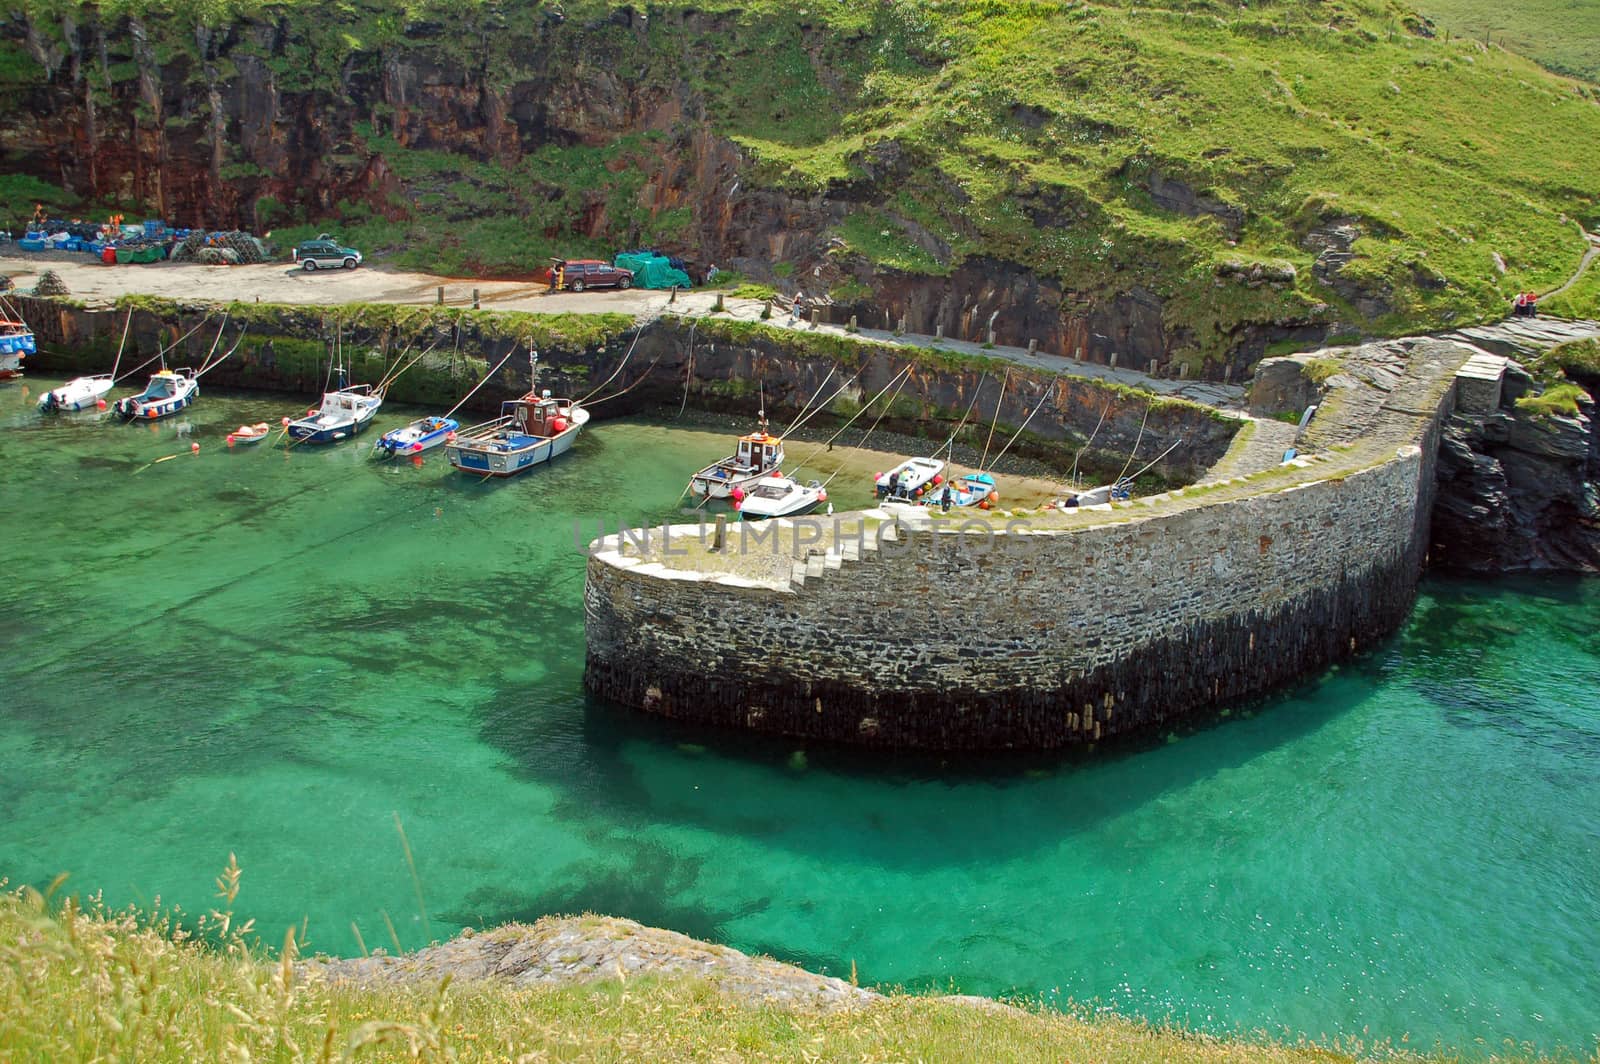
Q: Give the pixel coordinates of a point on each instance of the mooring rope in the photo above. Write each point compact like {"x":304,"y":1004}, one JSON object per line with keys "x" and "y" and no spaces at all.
{"x":1018,"y":434}
{"x":983,"y":462}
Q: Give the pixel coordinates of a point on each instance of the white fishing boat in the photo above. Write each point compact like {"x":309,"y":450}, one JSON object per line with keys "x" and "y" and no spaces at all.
{"x":169,"y":391}
{"x":247,"y":434}
{"x":905,"y":480}
{"x":756,"y":455}
{"x":343,"y":414}
{"x":80,"y":393}
{"x":972,"y":489}
{"x":780,"y":496}
{"x":529,"y":431}
{"x":16,"y":342}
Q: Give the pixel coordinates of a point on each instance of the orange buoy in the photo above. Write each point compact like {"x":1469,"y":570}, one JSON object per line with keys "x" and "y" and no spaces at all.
{"x":285,"y":422}
{"x":194,"y":448}
{"x":99,"y":404}
{"x":230,"y":439}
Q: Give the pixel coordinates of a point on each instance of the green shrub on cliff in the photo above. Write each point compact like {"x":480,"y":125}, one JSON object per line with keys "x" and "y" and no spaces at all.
{"x":1556,"y":399}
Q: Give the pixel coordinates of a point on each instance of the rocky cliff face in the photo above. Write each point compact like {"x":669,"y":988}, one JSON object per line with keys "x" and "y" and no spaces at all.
{"x":563,"y":129}
{"x":1519,"y":492}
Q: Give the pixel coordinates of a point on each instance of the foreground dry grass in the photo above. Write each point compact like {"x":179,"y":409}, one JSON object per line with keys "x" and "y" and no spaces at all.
{"x":80,"y":986}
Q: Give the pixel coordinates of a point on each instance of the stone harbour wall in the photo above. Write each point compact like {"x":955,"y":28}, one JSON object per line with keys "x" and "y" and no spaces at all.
{"x":959,"y":639}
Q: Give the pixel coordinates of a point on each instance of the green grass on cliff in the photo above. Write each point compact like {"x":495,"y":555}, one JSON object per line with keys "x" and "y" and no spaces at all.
{"x":1564,"y":35}
{"x":82,"y":985}
{"x":1105,"y":145}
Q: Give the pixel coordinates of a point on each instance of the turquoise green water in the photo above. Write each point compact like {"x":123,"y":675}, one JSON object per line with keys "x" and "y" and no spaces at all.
{"x":275,"y":653}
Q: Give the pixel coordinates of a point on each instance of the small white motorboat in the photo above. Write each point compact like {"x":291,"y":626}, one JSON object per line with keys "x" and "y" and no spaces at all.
{"x":250,"y":433}
{"x":343,"y":414}
{"x":905,"y":480}
{"x":169,"y":391}
{"x":80,"y":393}
{"x":780,"y":496}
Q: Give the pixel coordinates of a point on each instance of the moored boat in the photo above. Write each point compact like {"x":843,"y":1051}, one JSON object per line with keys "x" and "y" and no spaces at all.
{"x":909,"y":477}
{"x":169,"y":391}
{"x":780,"y":496}
{"x":756,"y":455}
{"x":16,"y":342}
{"x":250,"y":433}
{"x":343,"y":414}
{"x":529,"y":431}
{"x":80,"y":393}
{"x":971,"y":489}
{"x":423,"y":434}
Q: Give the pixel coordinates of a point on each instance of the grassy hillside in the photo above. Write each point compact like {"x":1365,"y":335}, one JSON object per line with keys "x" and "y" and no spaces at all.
{"x":78,"y":986}
{"x":1564,"y":35}
{"x":1201,"y":151}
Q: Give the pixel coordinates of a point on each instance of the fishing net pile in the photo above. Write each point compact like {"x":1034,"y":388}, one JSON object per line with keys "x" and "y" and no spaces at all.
{"x":50,"y":284}
{"x":222,"y":248}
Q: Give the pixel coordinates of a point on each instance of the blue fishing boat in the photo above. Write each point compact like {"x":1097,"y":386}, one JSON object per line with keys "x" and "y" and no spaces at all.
{"x":423,"y":434}
{"x":528,"y":432}
{"x":973,"y":489}
{"x":16,"y":342}
{"x":343,"y":414}
{"x":169,"y":391}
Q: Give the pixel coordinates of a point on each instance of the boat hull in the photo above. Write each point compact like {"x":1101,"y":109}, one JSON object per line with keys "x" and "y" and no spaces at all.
{"x":10,"y":365}
{"x":503,"y":457}
{"x":746,"y":514}
{"x":135,"y":409}
{"x":81,"y":393}
{"x":308,"y":431}
{"x":704,"y":483}
{"x":413,"y":439}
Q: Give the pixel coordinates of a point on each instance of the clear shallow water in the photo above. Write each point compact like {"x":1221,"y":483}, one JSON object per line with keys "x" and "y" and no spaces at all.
{"x":273,"y":654}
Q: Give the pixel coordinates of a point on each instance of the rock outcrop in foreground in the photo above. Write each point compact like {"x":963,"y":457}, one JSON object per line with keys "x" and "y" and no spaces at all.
{"x":560,"y":950}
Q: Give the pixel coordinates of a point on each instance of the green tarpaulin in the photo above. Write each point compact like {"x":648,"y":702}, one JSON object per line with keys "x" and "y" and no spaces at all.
{"x":653,"y":271}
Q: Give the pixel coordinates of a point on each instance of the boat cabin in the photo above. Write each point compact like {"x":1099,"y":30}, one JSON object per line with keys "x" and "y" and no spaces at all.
{"x":759,"y":450}
{"x":544,"y":417}
{"x":163,"y":385}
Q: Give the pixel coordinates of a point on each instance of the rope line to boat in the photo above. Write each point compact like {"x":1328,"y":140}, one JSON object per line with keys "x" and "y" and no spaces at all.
{"x":897,"y":378}
{"x":1090,"y":441}
{"x":122,"y":345}
{"x":480,"y":384}
{"x":205,"y":363}
{"x":983,"y":462}
{"x":881,"y":415}
{"x":963,"y":422}
{"x":587,"y":404}
{"x":209,"y":366}
{"x":800,"y":417}
{"x":629,"y":354}
{"x":1154,"y":460}
{"x":688,"y":374}
{"x":163,"y":352}
{"x":824,"y":405}
{"x":388,"y":379}
{"x":1018,"y":434}
{"x":1137,"y":440}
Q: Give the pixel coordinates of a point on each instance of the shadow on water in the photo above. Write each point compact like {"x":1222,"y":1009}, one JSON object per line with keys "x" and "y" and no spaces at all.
{"x":641,"y":888}
{"x":628,"y":766}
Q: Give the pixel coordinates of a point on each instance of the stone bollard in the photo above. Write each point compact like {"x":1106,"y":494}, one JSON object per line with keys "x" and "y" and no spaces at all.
{"x":938,"y":332}
{"x":816,"y":317}
{"x":1183,"y":371}
{"x":439,"y":296}
{"x":1077,"y":354}
{"x":474,"y":299}
{"x":1227,"y":374}
{"x":902,"y":326}
{"x":766,"y":311}
{"x":718,"y":308}
{"x":853,"y":326}
{"x":1154,"y":365}
{"x":991,"y":337}
{"x":672,"y":296}
{"x":1033,"y":347}
{"x":1113,"y":362}
{"x":720,"y":537}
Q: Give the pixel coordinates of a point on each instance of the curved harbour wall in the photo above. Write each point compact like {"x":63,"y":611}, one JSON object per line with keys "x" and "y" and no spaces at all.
{"x":1029,"y":635}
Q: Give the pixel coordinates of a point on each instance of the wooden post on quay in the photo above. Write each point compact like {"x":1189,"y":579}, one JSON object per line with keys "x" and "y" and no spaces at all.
{"x":720,"y":538}
{"x":474,"y":299}
{"x":439,"y":296}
